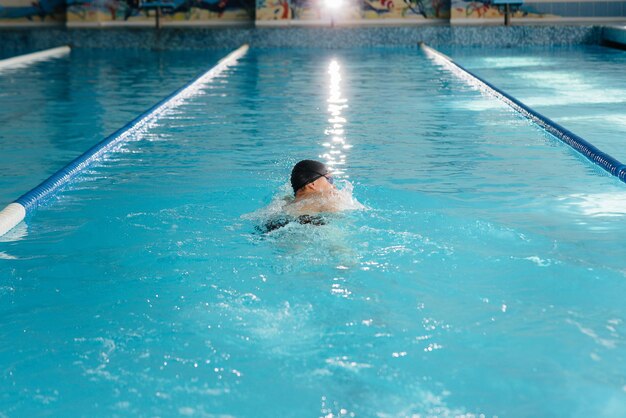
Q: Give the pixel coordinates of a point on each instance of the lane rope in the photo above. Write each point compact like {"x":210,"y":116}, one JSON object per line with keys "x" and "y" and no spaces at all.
{"x":15,"y":212}
{"x":23,"y":60}
{"x":590,"y":151}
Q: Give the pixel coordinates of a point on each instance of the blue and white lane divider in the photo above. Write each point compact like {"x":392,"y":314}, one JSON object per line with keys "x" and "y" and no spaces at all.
{"x":594,"y":154}
{"x":24,"y":60}
{"x":15,"y":212}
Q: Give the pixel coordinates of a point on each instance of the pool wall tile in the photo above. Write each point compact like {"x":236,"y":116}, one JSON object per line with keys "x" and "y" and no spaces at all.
{"x":559,"y":9}
{"x":600,"y":9}
{"x":614,"y":8}
{"x":586,"y":9}
{"x":571,"y":9}
{"x":203,"y":38}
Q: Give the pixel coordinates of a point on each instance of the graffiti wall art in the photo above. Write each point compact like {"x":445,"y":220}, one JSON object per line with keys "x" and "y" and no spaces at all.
{"x":85,"y":12}
{"x":32,"y":12}
{"x":349,"y":11}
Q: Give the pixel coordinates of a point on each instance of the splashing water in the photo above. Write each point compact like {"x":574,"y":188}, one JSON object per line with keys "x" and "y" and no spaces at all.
{"x":283,"y":204}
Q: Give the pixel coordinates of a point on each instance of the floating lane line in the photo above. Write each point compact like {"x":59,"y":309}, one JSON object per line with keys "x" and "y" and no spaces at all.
{"x":23,"y":60}
{"x":15,"y":212}
{"x":604,"y":160}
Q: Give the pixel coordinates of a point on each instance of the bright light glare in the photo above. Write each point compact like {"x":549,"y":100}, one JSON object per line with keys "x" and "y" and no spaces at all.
{"x":599,"y":204}
{"x":333,"y":4}
{"x":336,"y":104}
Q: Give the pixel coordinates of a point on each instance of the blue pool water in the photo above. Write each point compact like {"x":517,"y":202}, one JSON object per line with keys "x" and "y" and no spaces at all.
{"x":581,"y":88}
{"x":484,"y":276}
{"x":52,"y":111}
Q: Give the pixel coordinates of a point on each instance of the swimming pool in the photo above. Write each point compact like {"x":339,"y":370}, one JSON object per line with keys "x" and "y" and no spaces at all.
{"x":484,"y":277}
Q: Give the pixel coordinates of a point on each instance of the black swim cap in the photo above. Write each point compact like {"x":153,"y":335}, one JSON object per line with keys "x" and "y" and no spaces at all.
{"x":305,"y":172}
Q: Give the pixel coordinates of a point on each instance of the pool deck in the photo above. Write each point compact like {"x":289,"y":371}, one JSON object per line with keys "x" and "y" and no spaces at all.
{"x":324,"y":37}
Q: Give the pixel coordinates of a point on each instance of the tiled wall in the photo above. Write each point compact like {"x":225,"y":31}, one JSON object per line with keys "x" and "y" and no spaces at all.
{"x":607,"y":9}
{"x":296,"y":12}
{"x":374,"y":36}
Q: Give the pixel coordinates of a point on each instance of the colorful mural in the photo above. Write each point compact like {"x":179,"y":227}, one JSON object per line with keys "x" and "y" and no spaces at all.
{"x":171,"y":11}
{"x":472,"y":10}
{"x":477,"y":11}
{"x":349,"y":11}
{"x":395,"y":9}
{"x":301,"y":10}
{"x":32,"y":11}
{"x":296,"y":12}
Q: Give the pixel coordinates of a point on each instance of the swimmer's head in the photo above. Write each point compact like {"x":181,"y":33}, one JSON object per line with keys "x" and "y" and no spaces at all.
{"x":310,"y":173}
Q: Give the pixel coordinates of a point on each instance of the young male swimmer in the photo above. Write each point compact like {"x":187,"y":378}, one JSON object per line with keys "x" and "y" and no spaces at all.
{"x":314,"y":189}
{"x":315,"y":193}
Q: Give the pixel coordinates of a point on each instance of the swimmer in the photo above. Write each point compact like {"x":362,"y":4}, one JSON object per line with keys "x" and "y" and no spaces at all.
{"x":314,"y":193}
{"x":314,"y":189}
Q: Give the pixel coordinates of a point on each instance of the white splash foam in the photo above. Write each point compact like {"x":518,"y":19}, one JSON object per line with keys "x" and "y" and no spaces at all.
{"x":342,"y":199}
{"x":539,"y":261}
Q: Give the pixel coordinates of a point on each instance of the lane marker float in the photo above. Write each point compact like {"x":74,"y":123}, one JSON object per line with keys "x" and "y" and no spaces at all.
{"x":23,"y":60}
{"x":15,"y":212}
{"x":604,"y":160}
